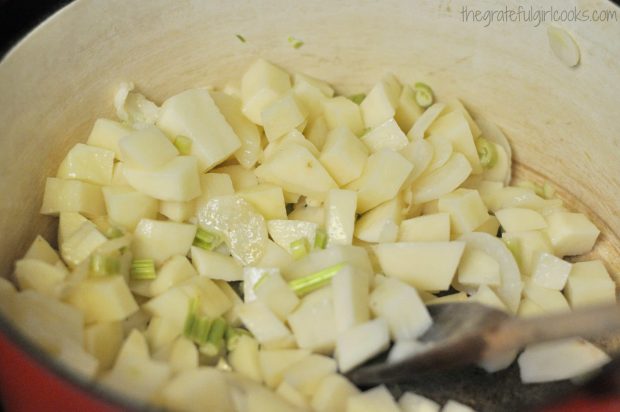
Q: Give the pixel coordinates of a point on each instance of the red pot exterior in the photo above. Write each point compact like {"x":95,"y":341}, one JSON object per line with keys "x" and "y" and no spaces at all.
{"x":26,"y":385}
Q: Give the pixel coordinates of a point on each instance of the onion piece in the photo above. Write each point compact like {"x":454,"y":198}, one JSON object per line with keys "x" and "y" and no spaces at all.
{"x":509,"y":291}
{"x":563,"y":46}
{"x":424,"y":121}
{"x":493,"y":133}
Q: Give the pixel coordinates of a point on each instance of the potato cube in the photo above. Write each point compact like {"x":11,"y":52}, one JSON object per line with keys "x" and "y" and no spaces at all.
{"x":333,"y":393}
{"x":400,"y":305}
{"x":161,"y":332}
{"x":265,"y":325}
{"x":273,"y":363}
{"x":177,"y":211}
{"x":40,"y":249}
{"x":386,"y":135}
{"x":382,"y":179}
{"x":147,"y":148}
{"x":516,"y":219}
{"x":292,"y":395}
{"x":274,"y":256}
{"x":215,"y":265}
{"x":316,"y":131}
{"x":350,"y":297}
{"x":429,"y":228}
{"x":550,"y":272}
{"x":525,"y":246}
{"x":284,"y":232}
{"x":118,"y":175}
{"x":267,"y":199}
{"x":68,"y":224}
{"x":43,"y":277}
{"x":485,"y":296}
{"x":310,"y":96}
{"x":244,"y":358}
{"x":306,"y":375}
{"x":183,"y":355}
{"x":274,"y":292}
{"x":103,"y":341}
{"x":281,"y":116}
{"x":194,"y":114}
{"x":106,"y":299}
{"x":106,"y":134}
{"x":314,"y":322}
{"x":571,"y":233}
{"x":411,"y":402}
{"x":478,"y":268}
{"x":355,"y":256}
{"x":589,"y":283}
{"x":160,"y":240}
{"x":340,"y":111}
{"x":455,"y":128}
{"x":72,"y":196}
{"x":260,"y":399}
{"x":340,"y":208}
{"x":407,"y":111}
{"x":261,"y":84}
{"x":548,"y":299}
{"x":381,"y":102}
{"x":466,"y":208}
{"x":340,"y":144}
{"x":89,"y":164}
{"x":454,"y":406}
{"x":201,"y":389}
{"x":490,"y":226}
{"x":213,"y":185}
{"x":424,"y":265}
{"x":528,"y":308}
{"x":79,"y":246}
{"x":377,"y":399}
{"x":173,"y":271}
{"x":178,"y":180}
{"x":361,"y":343}
{"x":126,"y":207}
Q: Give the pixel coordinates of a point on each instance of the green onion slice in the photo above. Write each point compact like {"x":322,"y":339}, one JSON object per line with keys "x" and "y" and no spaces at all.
{"x":357,"y":98}
{"x":320,"y":239}
{"x":296,"y":43}
{"x":310,"y":283}
{"x":113,"y":232}
{"x":215,"y":342}
{"x":233,"y":335}
{"x":300,"y":248}
{"x":423,"y":94}
{"x":183,"y":144}
{"x":486,"y":152}
{"x":143,"y":269}
{"x":103,"y":265}
{"x":241,"y":38}
{"x":206,"y":239}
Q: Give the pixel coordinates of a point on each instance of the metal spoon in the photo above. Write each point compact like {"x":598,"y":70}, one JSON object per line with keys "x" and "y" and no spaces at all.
{"x":466,"y":333}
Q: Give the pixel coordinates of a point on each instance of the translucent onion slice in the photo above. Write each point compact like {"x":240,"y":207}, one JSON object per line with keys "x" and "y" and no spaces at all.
{"x":441,"y":181}
{"x":424,"y":121}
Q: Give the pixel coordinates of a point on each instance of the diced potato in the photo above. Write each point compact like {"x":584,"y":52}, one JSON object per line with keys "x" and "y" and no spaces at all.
{"x":451,"y":298}
{"x":283,"y":232}
{"x":400,"y":305}
{"x":241,"y":177}
{"x":232,"y":315}
{"x":103,"y":341}
{"x":230,"y":106}
{"x":490,"y":226}
{"x":571,"y":233}
{"x":260,"y":399}
{"x":381,"y":223}
{"x":293,"y":137}
{"x":441,"y":181}
{"x":316,"y":131}
{"x":89,"y":164}
{"x":76,"y":358}
{"x":72,"y":196}
{"x":274,"y":292}
{"x":40,"y":249}
{"x":340,"y":207}
{"x":412,"y":402}
{"x":485,"y":296}
{"x":455,"y":128}
{"x":195,"y":390}
{"x":306,"y":375}
{"x":382,"y":179}
{"x":161,"y":332}
{"x":526,"y":246}
{"x":251,"y":276}
{"x":213,"y":185}
{"x":292,"y":395}
{"x":350,"y":297}
{"x":548,"y":299}
{"x":176,"y":180}
{"x":261,"y":84}
{"x":183,"y":355}
{"x":340,"y":144}
{"x":126,"y":207}
{"x":215,"y":265}
{"x":274,"y":256}
{"x":159,"y":240}
{"x":333,"y":393}
{"x":79,"y":246}
{"x":267,"y":199}
{"x":424,"y":265}
{"x":420,"y":154}
{"x":558,"y":360}
{"x":407,"y":111}
{"x":429,"y":228}
{"x":386,"y":135}
{"x":265,"y":325}
{"x":454,"y":406}
{"x":106,"y":134}
{"x":105,"y":299}
{"x":177,"y":211}
{"x":273,"y":363}
{"x":550,"y":272}
{"x":309,"y":214}
{"x":528,"y":308}
{"x":194,"y":114}
{"x":296,"y":170}
{"x":281,"y":116}
{"x":314,"y":322}
{"x":520,"y":220}
{"x":419,"y":128}
{"x":589,"y":283}
{"x":377,"y":399}
{"x":355,"y":256}
{"x":455,"y":105}
{"x":148,"y":148}
{"x":361,"y":343}
{"x":310,"y":95}
{"x":512,"y":196}
{"x":466,"y":208}
{"x":321,"y":85}
{"x":244,"y":358}
{"x":340,"y":111}
{"x":174,"y":271}
{"x":6,"y":287}
{"x":381,"y":102}
{"x":43,"y":277}
{"x":478,"y":268}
